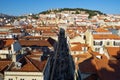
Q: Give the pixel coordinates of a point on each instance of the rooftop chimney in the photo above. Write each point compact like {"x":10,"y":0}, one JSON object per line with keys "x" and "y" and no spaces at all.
{"x":14,"y":58}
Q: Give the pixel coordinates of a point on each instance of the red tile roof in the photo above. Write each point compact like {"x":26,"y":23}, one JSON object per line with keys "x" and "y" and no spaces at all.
{"x":3,"y":33}
{"x":40,"y":65}
{"x":4,"y":64}
{"x":101,"y":30}
{"x":29,"y":65}
{"x":6,"y":26}
{"x":113,"y":51}
{"x":35,"y":43}
{"x":16,"y":30}
{"x":81,"y":58}
{"x":78,"y":46}
{"x":88,"y":66}
{"x":6,"y":43}
{"x":106,"y":69}
{"x":34,"y":38}
{"x":106,"y":36}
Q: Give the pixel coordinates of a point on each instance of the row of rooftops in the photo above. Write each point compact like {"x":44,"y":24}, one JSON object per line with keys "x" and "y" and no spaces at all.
{"x":80,"y":19}
{"x":4,"y":43}
{"x":106,"y":36}
{"x":86,"y":65}
{"x":31,"y":61}
{"x":102,"y":67}
{"x":66,"y":18}
{"x":99,"y":65}
{"x":95,"y":63}
{"x":70,"y":19}
{"x":28,"y":65}
{"x":98,"y":34}
{"x":34,"y":59}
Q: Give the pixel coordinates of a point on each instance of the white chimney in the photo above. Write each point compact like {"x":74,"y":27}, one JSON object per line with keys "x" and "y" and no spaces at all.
{"x":14,"y":58}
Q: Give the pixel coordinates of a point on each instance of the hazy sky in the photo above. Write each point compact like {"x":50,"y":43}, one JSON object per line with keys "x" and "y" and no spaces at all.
{"x":19,"y":7}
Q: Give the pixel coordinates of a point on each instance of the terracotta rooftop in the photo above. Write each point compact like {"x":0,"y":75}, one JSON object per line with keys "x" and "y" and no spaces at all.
{"x":49,"y":34}
{"x":4,"y":64}
{"x":6,"y":26}
{"x":16,"y":30}
{"x":81,"y":58}
{"x":34,"y":43}
{"x":88,"y":66}
{"x":93,"y":20}
{"x":34,"y":38}
{"x":108,"y":27}
{"x":46,"y":27}
{"x":3,"y":33}
{"x":29,"y":65}
{"x":106,"y":36}
{"x":117,"y":27}
{"x":107,"y":68}
{"x":6,"y":43}
{"x":107,"y":21}
{"x":39,"y":64}
{"x":74,"y":29}
{"x":77,"y":46}
{"x":101,"y":30}
{"x":104,"y":68}
{"x":29,"y":26}
{"x":113,"y":51}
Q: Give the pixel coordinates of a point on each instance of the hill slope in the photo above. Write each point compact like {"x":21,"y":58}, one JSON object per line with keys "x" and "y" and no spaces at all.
{"x":6,"y":16}
{"x":77,"y":11}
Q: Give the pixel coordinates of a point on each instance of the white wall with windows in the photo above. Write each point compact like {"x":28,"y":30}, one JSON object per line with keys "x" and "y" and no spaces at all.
{"x":99,"y":45}
{"x":23,"y":75}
